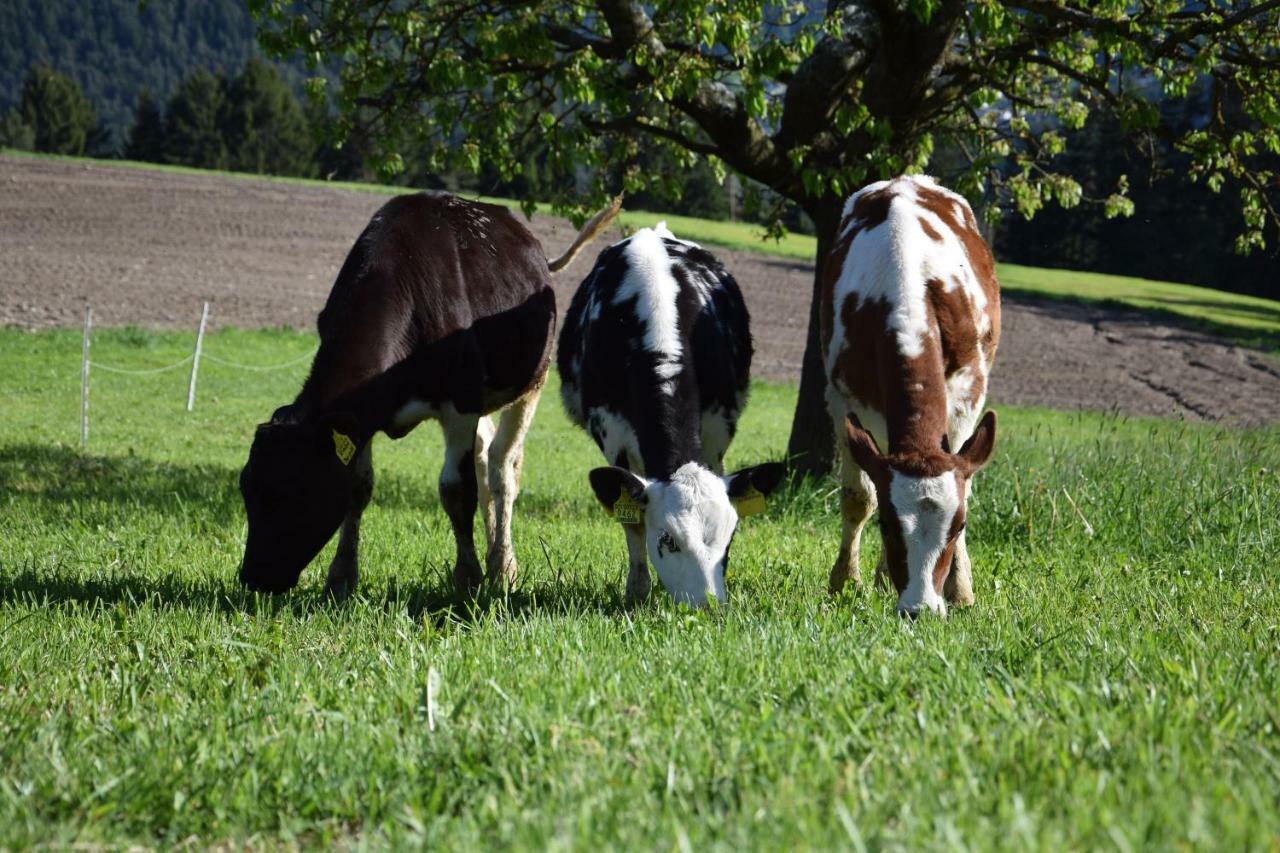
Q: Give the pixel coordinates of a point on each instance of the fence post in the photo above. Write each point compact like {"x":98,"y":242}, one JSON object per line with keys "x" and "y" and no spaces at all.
{"x":195,"y":359}
{"x":84,"y":379}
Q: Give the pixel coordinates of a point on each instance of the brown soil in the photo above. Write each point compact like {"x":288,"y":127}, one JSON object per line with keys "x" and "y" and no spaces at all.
{"x":145,"y":248}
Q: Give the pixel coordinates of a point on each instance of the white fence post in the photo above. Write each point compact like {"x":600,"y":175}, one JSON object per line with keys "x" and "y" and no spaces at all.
{"x":84,"y":379}
{"x":195,"y":359}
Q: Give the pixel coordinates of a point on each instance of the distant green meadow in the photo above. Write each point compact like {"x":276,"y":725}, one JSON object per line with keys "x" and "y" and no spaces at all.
{"x":1117,"y":684}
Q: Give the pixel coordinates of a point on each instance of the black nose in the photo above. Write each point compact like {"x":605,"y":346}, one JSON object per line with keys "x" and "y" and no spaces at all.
{"x":911,"y":615}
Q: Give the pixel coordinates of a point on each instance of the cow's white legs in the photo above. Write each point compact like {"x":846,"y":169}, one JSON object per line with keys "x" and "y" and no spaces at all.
{"x":958,"y":589}
{"x":484,"y":439}
{"x":857,"y":502}
{"x":638,"y":581}
{"x":344,"y":571}
{"x":459,"y":493}
{"x":506,"y":457}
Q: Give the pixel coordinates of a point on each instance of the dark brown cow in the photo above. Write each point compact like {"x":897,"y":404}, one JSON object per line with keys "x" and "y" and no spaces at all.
{"x":910,"y":321}
{"x":443,"y":310}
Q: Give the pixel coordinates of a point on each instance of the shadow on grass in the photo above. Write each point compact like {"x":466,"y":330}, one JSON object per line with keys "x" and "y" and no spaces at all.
{"x":1086,"y":309}
{"x":64,"y":475}
{"x":436,"y":601}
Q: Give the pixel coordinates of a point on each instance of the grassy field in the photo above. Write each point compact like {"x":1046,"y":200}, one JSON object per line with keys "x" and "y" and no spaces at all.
{"x":1246,"y":319}
{"x":1115,"y":686}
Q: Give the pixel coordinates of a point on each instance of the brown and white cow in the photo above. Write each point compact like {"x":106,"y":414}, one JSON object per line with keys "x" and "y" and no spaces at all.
{"x":910,"y":321}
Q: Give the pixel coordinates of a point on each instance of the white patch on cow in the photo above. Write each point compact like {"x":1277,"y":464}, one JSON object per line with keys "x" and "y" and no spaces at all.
{"x":716,"y":436}
{"x":689,"y":522}
{"x":415,"y":412}
{"x":892,"y":262}
{"x":616,"y":436}
{"x":459,"y":440}
{"x":925,"y":507}
{"x":663,"y":231}
{"x":650,"y":283}
{"x":962,"y":409}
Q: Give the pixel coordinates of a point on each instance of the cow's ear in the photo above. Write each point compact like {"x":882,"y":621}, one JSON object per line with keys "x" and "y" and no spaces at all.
{"x":341,"y":432}
{"x":344,"y":422}
{"x":612,"y":483}
{"x":863,"y":447}
{"x":749,"y":487}
{"x":977,"y":450}
{"x":761,"y":478}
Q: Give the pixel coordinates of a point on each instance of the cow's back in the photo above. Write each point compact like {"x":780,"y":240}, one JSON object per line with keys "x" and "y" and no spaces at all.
{"x":446,"y":260}
{"x":657,"y":334}
{"x":446,"y":299}
{"x":909,"y":311}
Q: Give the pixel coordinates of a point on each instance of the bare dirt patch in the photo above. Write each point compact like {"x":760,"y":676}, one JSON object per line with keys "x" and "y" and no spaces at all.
{"x":146,"y":247}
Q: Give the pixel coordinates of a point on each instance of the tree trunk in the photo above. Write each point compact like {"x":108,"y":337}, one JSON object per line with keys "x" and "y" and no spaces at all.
{"x":809,"y":449}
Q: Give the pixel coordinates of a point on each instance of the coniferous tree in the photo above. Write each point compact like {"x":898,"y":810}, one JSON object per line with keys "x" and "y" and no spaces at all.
{"x":59,"y":115}
{"x":15,"y":133}
{"x":147,"y":134}
{"x":193,"y":136}
{"x":263,"y":125}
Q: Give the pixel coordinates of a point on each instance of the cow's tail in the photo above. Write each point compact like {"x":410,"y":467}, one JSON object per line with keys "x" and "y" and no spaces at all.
{"x":594,"y":226}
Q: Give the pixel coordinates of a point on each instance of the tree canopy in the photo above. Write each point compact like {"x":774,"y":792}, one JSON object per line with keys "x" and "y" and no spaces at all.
{"x":58,"y":114}
{"x":812,"y":99}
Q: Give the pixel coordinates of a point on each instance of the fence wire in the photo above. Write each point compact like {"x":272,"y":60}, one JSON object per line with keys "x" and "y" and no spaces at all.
{"x":97,"y":365}
{"x":194,"y":359}
{"x":225,"y":362}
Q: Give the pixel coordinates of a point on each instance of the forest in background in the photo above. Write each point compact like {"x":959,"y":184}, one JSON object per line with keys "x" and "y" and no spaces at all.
{"x":184,"y":82}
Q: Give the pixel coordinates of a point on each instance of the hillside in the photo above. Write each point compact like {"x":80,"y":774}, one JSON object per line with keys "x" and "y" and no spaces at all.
{"x":114,"y":49}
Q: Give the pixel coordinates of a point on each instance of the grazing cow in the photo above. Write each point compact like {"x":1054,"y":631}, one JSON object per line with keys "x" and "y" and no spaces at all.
{"x":654,"y":360}
{"x":443,"y":310}
{"x":910,"y":320}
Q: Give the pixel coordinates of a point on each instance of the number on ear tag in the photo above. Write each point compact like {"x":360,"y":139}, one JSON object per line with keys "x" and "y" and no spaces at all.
{"x":750,"y":502}
{"x":344,"y":447}
{"x":626,"y":510}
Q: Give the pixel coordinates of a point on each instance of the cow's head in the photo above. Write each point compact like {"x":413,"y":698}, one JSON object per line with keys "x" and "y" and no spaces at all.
{"x":689,"y":520}
{"x":923,"y":502}
{"x":296,"y":488}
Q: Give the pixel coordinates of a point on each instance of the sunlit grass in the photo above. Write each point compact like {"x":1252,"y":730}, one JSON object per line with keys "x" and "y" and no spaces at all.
{"x":1115,"y":686}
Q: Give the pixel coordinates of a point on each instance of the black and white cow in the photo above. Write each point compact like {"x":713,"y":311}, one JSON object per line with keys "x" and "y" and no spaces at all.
{"x":654,"y":361}
{"x":443,"y":310}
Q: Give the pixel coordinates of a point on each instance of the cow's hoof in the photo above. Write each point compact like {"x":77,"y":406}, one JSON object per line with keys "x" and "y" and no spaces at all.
{"x":342,"y":580}
{"x":501,"y":568}
{"x":841,"y":574}
{"x":638,"y":586}
{"x":467,"y":577}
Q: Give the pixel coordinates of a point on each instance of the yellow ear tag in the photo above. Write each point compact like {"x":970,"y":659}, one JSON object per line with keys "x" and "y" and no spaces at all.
{"x":626,"y":510}
{"x":344,"y":447}
{"x":750,"y":502}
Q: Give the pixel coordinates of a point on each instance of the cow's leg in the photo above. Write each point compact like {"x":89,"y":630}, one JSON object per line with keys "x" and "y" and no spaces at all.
{"x":459,"y":494}
{"x":506,"y":457}
{"x":958,"y":589}
{"x":638,"y":581}
{"x":484,"y":440}
{"x":857,"y":502}
{"x":344,"y":571}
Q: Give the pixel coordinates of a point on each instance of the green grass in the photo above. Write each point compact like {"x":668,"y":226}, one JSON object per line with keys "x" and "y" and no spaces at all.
{"x":1109,"y":690}
{"x":1246,"y":319}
